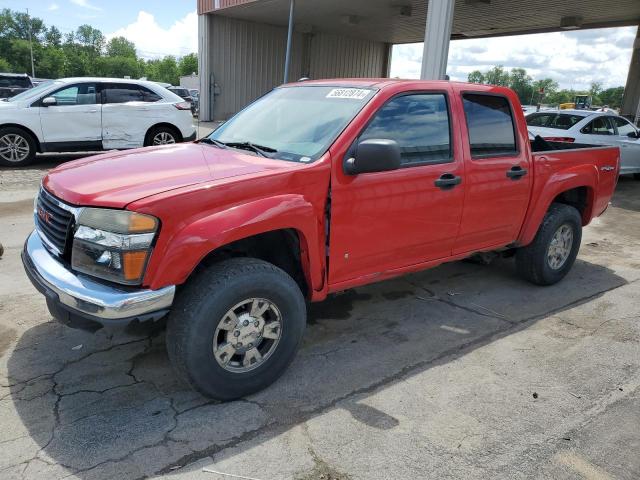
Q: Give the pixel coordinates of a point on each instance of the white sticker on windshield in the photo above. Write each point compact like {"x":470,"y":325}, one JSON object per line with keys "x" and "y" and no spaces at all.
{"x":352,"y":93}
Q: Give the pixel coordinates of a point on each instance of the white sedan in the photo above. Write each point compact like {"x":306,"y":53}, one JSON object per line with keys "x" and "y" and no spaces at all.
{"x":593,"y":128}
{"x":91,"y":114}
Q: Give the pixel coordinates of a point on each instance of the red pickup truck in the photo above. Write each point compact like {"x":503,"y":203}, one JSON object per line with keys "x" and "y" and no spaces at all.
{"x":314,"y":188}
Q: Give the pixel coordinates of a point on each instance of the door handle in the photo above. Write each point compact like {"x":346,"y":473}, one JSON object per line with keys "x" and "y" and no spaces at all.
{"x":447,"y":181}
{"x":516,"y":172}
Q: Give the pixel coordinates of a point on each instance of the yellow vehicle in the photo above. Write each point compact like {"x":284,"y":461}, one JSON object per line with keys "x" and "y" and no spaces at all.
{"x":580,"y":102}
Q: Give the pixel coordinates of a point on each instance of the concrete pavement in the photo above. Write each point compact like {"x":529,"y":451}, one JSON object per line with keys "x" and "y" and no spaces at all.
{"x":463,"y":371}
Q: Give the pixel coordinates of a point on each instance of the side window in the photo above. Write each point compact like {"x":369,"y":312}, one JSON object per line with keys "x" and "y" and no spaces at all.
{"x":420,"y":125}
{"x":623,"y":126}
{"x":538,"y":120}
{"x":490,"y":124}
{"x":149,"y":96}
{"x":122,"y":93}
{"x":82,"y":94}
{"x":599,"y":126}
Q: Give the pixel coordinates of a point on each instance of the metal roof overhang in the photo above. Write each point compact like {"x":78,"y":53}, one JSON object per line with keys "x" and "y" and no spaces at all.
{"x":403,"y":21}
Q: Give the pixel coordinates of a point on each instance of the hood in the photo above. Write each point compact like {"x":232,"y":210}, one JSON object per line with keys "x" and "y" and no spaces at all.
{"x":118,"y":178}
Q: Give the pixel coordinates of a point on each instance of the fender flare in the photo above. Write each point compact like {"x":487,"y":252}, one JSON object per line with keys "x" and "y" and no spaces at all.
{"x":188,"y":247}
{"x":565,"y":180}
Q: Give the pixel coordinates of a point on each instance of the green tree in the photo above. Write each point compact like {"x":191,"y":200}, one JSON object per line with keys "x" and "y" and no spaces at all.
{"x":522,"y":84}
{"x":497,"y":76}
{"x":188,"y":64}
{"x":476,"y":77}
{"x":91,"y":39}
{"x":4,"y":65}
{"x":163,"y":70}
{"x":53,"y":37}
{"x":121,"y":47}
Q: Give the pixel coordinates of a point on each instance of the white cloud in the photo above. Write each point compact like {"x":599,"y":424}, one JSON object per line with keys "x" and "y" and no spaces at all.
{"x":573,"y":59}
{"x":53,"y":7}
{"x":153,"y":41}
{"x":85,"y":4}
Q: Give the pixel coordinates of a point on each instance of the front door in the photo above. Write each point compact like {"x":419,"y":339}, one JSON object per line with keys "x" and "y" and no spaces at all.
{"x":75,"y":119}
{"x":629,"y":146}
{"x":386,"y":220}
{"x":497,"y":174}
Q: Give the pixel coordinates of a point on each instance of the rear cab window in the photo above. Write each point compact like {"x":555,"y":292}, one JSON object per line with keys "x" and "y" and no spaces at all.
{"x":490,"y":124}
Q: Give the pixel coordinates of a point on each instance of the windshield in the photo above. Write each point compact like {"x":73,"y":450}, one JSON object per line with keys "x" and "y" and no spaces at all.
{"x":297,"y":123}
{"x":33,"y":92}
{"x":561,"y":121}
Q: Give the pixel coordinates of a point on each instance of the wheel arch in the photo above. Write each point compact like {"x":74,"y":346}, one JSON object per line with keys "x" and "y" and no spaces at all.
{"x":26,"y":129}
{"x":575,"y":187}
{"x":282,"y":230}
{"x":163,"y":124}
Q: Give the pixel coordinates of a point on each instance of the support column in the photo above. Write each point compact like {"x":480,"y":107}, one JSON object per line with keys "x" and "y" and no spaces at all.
{"x":631,"y":100}
{"x":287,"y":60}
{"x":204,"y":68}
{"x":436,"y":39}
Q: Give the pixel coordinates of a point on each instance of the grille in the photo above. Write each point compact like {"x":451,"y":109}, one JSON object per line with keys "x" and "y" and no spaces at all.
{"x":54,"y":220}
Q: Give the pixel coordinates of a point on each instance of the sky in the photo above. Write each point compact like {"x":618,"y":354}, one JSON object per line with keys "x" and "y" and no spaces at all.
{"x":169,"y":27}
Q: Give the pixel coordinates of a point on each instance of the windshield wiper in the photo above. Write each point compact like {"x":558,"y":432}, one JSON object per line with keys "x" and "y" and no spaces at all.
{"x":211,"y":141}
{"x":259,"y":149}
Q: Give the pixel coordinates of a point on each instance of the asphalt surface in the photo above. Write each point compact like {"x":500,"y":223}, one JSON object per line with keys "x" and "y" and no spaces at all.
{"x":463,"y":371}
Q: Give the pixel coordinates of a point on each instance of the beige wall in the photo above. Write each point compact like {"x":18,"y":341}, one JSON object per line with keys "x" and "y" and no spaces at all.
{"x":246,"y":60}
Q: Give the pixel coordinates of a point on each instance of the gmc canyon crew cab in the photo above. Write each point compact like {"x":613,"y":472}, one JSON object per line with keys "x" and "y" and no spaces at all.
{"x":314,"y":188}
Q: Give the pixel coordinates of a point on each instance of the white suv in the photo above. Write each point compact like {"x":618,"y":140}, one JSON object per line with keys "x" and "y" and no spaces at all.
{"x":90,"y":114}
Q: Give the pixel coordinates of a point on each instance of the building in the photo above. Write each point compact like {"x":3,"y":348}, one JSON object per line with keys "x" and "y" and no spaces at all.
{"x":247,"y":47}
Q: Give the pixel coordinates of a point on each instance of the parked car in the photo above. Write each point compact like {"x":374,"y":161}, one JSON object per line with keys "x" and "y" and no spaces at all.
{"x":90,"y":114}
{"x":314,"y":188}
{"x":594,"y":128}
{"x":185,"y":95}
{"x":195,"y":94}
{"x":11,"y":84}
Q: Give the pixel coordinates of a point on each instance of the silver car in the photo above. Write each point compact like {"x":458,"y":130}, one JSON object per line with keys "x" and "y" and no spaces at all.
{"x":594,"y":128}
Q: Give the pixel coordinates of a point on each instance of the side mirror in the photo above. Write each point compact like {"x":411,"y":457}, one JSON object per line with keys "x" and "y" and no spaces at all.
{"x":632,"y":134}
{"x":374,"y":155}
{"x":49,"y":101}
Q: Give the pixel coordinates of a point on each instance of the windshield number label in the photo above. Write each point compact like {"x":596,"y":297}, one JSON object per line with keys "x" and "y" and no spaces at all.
{"x":349,"y":93}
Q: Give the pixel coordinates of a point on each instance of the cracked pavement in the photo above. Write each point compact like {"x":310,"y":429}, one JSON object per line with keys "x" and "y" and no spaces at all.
{"x":431,"y":375}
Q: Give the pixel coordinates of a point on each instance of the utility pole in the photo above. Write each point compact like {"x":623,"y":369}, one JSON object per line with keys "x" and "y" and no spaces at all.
{"x":33,"y":70}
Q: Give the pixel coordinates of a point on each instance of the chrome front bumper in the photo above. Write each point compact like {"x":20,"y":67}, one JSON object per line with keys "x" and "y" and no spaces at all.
{"x":75,"y":299}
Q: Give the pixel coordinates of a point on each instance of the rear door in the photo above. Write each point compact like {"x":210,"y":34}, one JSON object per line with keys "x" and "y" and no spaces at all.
{"x":629,"y":146}
{"x":497,"y":172}
{"x":386,"y":220}
{"x":75,"y":119}
{"x":128,"y":111}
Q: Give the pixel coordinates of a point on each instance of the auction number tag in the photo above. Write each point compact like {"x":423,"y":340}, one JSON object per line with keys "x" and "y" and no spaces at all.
{"x":352,"y":93}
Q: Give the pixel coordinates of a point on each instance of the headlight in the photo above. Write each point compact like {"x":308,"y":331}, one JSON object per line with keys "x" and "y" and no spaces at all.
{"x":113,"y":244}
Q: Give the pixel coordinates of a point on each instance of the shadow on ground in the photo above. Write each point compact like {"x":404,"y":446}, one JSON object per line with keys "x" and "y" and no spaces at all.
{"x":109,"y":404}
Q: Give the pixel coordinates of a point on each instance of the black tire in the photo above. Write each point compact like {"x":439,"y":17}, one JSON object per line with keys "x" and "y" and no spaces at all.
{"x":160,"y":129}
{"x":202,"y":305}
{"x":532,"y":261}
{"x":636,"y":176}
{"x":28,"y":140}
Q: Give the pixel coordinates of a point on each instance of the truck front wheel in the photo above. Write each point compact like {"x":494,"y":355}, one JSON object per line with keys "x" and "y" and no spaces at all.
{"x":235,"y":328}
{"x":554,"y":250}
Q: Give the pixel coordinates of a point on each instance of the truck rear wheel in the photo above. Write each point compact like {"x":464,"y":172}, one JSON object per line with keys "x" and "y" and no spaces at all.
{"x":235,"y":328}
{"x":554,"y":250}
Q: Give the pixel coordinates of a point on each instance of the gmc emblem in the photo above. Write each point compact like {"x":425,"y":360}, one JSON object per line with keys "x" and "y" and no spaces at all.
{"x":44,"y":215}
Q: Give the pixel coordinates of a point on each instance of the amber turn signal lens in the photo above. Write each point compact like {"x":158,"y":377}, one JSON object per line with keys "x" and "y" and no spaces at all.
{"x":139,"y":223}
{"x":133,"y":265}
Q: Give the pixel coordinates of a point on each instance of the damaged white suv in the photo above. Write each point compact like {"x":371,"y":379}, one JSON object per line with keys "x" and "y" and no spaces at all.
{"x":91,"y":114}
